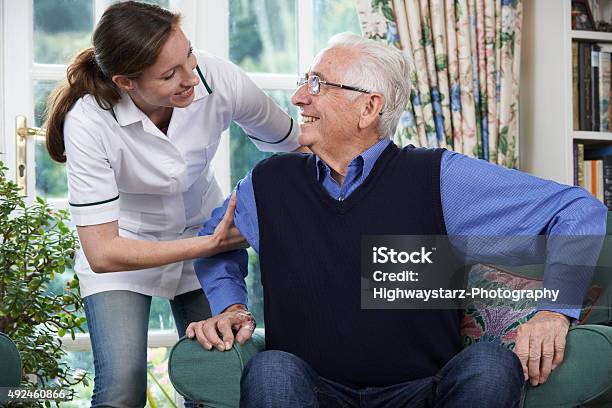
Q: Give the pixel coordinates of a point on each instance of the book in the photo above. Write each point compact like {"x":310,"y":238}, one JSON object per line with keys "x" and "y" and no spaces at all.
{"x":595,"y":87}
{"x":602,"y":172}
{"x":587,"y":175}
{"x":604,"y":91}
{"x":575,"y":91}
{"x":607,"y":47}
{"x":584,"y":86}
{"x":607,"y":180}
{"x":599,"y":183}
{"x":581,"y":165}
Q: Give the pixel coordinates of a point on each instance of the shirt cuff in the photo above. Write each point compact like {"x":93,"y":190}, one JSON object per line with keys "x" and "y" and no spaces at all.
{"x":95,"y":213}
{"x":225,"y":295}
{"x":573,"y":314}
{"x":288,"y":142}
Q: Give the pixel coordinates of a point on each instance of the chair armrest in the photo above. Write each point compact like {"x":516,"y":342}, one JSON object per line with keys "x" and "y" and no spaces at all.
{"x":211,"y":378}
{"x":585,"y":374}
{"x":10,"y":374}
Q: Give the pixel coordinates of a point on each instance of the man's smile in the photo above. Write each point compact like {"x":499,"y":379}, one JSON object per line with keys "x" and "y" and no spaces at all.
{"x":308,"y":119}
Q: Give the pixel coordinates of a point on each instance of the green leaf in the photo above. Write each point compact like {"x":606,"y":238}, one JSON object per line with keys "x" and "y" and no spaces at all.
{"x":503,"y":140}
{"x":441,"y":62}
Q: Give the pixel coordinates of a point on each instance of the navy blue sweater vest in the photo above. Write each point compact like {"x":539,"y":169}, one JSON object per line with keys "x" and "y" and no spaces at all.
{"x":309,"y":249}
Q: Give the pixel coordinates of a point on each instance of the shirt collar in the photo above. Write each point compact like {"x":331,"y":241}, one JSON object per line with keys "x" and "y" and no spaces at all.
{"x":126,"y":111}
{"x":366,"y":159}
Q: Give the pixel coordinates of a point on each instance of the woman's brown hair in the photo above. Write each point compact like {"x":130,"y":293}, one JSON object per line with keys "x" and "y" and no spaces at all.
{"x":127,"y":40}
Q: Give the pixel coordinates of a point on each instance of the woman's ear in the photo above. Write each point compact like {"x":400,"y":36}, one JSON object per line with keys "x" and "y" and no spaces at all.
{"x":371,"y":110}
{"x":123,"y":82}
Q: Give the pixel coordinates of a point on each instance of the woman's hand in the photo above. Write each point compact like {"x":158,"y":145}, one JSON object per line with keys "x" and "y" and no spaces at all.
{"x":226,"y":236}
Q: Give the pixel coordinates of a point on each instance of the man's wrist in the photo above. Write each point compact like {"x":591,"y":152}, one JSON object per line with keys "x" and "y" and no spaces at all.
{"x":557,"y":315}
{"x":235,"y":307}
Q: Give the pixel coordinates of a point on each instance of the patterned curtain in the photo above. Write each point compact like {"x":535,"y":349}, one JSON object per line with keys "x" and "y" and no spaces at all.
{"x":465,"y":85}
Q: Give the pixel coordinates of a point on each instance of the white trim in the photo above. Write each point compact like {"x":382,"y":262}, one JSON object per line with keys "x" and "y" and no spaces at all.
{"x":59,"y":203}
{"x":212,"y":35}
{"x":275,"y":81}
{"x":591,"y":35}
{"x":17,"y":26}
{"x":590,"y":135}
{"x":188,"y":12}
{"x":305,"y":31}
{"x":155,"y":339}
{"x":99,"y":7}
{"x":48,"y":72}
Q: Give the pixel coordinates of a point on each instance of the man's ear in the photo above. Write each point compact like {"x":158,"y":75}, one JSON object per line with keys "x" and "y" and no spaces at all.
{"x":123,"y":82}
{"x":371,"y":110}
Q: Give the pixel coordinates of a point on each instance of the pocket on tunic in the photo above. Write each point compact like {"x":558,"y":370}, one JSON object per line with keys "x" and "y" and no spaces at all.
{"x":142,"y":213}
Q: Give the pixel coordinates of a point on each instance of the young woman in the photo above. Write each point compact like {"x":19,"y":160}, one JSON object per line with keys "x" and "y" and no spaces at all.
{"x":138,"y":123}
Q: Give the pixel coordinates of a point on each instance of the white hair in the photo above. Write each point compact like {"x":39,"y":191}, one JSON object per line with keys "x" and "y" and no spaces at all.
{"x":379,"y":68}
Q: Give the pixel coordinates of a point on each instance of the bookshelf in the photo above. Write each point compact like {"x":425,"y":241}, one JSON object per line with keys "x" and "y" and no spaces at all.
{"x":547,"y":132}
{"x":586,"y":136}
{"x":591,"y":36}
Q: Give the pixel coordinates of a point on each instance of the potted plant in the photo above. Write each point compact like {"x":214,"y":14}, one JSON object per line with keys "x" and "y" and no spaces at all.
{"x":36,"y":250}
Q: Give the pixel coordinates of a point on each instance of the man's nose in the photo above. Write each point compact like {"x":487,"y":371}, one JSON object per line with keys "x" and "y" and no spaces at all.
{"x":301,"y":96}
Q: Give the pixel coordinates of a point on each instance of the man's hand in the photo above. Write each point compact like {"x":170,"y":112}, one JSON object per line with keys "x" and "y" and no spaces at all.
{"x":540,"y":344}
{"x":234,"y":318}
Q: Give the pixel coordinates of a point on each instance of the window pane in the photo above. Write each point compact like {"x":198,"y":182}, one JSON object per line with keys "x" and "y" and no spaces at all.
{"x":332,"y":17}
{"x":263,"y":35}
{"x":61,"y":29}
{"x":80,"y":360}
{"x":161,"y":3}
{"x":244,"y":154}
{"x":50,"y":176}
{"x":160,"y":316}
{"x":158,"y":379}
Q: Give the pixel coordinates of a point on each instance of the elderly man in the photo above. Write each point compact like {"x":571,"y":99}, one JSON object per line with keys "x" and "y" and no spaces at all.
{"x":306,"y":213}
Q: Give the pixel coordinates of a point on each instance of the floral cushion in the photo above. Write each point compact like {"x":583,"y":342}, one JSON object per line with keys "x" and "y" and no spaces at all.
{"x":497,"y":320}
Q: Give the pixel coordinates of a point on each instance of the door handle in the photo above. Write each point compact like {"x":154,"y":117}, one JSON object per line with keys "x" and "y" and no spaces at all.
{"x":22,"y":132}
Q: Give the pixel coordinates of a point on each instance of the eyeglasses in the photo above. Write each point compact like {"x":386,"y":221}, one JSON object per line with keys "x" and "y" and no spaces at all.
{"x":314,"y":84}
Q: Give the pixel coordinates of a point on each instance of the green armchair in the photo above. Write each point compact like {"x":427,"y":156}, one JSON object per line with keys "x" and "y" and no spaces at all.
{"x":212,"y":378}
{"x":10,"y":367}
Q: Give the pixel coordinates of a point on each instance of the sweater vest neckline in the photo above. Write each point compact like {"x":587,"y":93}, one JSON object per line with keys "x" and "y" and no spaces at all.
{"x":344,"y":205}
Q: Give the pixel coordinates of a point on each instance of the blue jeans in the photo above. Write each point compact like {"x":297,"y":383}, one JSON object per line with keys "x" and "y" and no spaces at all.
{"x":118,"y":322}
{"x":483,"y":375}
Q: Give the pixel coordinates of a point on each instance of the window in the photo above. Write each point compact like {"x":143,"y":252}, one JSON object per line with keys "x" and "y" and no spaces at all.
{"x":272,"y":40}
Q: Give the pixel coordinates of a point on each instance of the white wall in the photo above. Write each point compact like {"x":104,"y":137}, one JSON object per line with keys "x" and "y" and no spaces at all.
{"x":545,"y":89}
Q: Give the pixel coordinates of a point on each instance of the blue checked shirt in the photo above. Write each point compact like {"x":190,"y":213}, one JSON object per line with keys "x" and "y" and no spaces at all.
{"x":478,"y":199}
